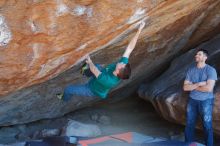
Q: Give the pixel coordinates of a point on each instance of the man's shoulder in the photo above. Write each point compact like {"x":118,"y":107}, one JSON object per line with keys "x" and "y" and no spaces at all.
{"x":211,"y":68}
{"x":211,"y":71}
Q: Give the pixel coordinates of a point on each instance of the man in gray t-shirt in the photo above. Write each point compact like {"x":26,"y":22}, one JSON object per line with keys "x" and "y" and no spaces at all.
{"x":200,"y":80}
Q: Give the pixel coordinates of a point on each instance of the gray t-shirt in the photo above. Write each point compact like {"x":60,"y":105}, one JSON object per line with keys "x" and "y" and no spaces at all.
{"x":195,"y":75}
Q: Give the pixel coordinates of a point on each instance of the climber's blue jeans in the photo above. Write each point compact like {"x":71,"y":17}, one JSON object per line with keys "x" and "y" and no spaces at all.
{"x":82,"y":90}
{"x":77,"y":90}
{"x":204,"y":110}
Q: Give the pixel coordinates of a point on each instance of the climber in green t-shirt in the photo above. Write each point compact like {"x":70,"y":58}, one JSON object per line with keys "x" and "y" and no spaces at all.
{"x":104,"y":79}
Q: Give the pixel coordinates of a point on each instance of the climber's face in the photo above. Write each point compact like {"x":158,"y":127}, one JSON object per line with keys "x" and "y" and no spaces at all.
{"x":119,"y":66}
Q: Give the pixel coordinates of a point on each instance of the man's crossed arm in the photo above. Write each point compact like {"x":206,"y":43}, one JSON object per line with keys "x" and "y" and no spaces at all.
{"x":206,"y":86}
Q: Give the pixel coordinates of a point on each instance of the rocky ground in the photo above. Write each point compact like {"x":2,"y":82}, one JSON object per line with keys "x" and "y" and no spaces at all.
{"x":131,"y":114}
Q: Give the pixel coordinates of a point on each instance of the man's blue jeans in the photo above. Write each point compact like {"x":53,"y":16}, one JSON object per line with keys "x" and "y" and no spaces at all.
{"x":77,"y":90}
{"x":204,"y":110}
{"x":80,"y":90}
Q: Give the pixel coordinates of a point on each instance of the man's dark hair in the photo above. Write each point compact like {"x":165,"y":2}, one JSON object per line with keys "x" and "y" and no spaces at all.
{"x":204,"y":52}
{"x":125,"y":72}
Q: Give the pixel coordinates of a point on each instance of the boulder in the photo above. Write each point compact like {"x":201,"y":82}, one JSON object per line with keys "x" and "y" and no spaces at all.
{"x":78,"y":129}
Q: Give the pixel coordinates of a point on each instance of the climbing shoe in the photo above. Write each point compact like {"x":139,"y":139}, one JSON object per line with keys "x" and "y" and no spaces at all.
{"x":59,"y":96}
{"x":85,"y":70}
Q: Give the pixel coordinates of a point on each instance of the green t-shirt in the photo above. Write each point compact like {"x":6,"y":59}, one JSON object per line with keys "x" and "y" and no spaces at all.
{"x":101,"y":85}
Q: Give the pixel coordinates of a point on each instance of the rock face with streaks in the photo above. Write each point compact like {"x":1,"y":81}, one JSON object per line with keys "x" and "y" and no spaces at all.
{"x":166,"y":92}
{"x":43,"y":44}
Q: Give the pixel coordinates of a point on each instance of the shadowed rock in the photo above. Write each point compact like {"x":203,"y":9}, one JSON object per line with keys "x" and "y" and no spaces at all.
{"x":166,"y":92}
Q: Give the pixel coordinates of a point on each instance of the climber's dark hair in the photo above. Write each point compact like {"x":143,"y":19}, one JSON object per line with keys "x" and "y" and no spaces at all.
{"x":125,"y":72}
